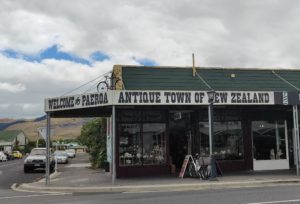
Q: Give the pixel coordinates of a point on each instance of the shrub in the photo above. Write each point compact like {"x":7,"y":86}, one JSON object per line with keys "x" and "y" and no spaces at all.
{"x":93,"y":135}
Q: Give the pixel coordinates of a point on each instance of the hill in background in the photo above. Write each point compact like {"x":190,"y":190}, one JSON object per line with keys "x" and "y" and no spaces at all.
{"x":62,"y":128}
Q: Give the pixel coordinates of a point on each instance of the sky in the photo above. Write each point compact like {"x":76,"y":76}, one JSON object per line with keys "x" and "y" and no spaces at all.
{"x":50,"y":47}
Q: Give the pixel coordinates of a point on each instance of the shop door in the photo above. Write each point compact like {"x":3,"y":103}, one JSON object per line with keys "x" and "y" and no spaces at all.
{"x":270,"y":145}
{"x":179,"y":136}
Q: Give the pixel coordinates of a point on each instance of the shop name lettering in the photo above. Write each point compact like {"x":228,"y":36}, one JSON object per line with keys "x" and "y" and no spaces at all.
{"x":158,"y":97}
{"x":186,"y":97}
{"x":81,"y":101}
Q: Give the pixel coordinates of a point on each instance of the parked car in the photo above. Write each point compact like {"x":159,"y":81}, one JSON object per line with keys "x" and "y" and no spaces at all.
{"x":61,"y":157}
{"x":2,"y":157}
{"x":37,"y":160}
{"x":17,"y":154}
{"x":9,"y":156}
{"x":71,"y":153}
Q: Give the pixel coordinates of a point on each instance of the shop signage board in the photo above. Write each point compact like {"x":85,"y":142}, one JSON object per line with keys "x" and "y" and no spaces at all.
{"x":287,"y":98}
{"x":192,"y":98}
{"x":151,"y":97}
{"x":78,"y":101}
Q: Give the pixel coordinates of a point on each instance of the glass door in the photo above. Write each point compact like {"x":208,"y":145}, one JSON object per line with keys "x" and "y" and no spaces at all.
{"x":270,"y":145}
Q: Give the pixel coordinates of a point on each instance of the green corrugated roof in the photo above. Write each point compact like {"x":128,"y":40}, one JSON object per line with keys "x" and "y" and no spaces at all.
{"x":9,"y":135}
{"x":181,"y":78}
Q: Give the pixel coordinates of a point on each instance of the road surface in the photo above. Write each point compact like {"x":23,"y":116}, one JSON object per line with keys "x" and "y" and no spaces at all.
{"x":270,"y":195}
{"x":12,"y":172}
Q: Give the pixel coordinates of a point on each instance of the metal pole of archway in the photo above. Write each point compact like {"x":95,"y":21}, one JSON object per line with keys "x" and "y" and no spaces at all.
{"x":296,"y":136}
{"x":47,"y":176}
{"x":113,"y":151}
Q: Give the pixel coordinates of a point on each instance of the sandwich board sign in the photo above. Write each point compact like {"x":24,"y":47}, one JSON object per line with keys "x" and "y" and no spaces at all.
{"x":184,"y":165}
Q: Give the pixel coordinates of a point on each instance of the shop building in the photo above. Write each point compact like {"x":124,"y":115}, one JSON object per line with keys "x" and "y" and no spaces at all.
{"x":160,"y":114}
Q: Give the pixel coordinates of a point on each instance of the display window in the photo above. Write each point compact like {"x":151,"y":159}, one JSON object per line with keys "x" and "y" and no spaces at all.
{"x":154,"y":143}
{"x":130,"y":144}
{"x":269,"y":141}
{"x":227,"y":140}
{"x":142,"y":142}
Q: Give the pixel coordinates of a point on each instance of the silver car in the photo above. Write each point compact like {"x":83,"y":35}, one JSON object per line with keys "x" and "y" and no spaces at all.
{"x":37,"y":160}
{"x":61,"y":157}
{"x":3,"y":157}
{"x":71,"y":153}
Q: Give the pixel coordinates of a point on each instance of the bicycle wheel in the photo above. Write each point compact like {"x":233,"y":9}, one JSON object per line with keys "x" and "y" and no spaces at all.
{"x":191,"y":170}
{"x":208,"y":172}
{"x":204,"y":172}
{"x":102,"y":86}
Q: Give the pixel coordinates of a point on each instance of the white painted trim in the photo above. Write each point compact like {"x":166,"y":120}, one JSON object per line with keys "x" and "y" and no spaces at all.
{"x":259,"y":165}
{"x":274,"y":164}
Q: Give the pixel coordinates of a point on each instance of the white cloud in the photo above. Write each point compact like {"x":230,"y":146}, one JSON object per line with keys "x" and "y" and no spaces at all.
{"x":33,"y":82}
{"x":21,"y":110}
{"x":220,"y":33}
{"x":14,"y":88}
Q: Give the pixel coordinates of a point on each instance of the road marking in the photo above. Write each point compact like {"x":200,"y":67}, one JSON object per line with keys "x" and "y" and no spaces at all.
{"x":34,"y":195}
{"x":278,"y":201}
{"x":164,"y":191}
{"x":78,"y":165}
{"x":9,"y":164}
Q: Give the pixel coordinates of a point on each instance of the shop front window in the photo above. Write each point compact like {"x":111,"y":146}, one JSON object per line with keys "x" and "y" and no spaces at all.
{"x":228,"y":140}
{"x":130,"y":148}
{"x":142,"y":138}
{"x":269,"y":140}
{"x":154,"y":143}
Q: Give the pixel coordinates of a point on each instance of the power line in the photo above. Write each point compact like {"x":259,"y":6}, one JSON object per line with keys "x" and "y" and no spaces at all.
{"x":284,"y":80}
{"x":86,"y":83}
{"x":93,"y":86}
{"x":203,"y":80}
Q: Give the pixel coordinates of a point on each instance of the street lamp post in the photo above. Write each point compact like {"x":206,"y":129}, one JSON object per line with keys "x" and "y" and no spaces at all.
{"x":211,"y":97}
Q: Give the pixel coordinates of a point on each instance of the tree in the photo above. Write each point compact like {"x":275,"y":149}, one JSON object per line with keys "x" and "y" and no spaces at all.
{"x":16,"y":146}
{"x":93,"y":135}
{"x":29,"y":146}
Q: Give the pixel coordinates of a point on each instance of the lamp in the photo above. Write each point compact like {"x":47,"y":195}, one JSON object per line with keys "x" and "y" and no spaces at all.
{"x":211,"y":96}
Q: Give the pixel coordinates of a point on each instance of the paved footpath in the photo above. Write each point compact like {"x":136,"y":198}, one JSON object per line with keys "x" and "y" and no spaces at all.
{"x":79,"y":177}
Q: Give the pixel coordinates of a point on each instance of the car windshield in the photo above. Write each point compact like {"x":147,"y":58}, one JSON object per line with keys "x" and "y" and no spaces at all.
{"x":60,"y":153}
{"x":38,"y":152}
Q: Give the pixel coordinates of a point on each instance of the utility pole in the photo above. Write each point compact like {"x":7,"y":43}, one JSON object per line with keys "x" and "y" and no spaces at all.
{"x":194,"y":68}
{"x":47,"y":176}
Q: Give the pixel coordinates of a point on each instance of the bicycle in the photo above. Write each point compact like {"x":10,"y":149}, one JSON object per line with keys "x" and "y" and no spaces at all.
{"x":106,"y":84}
{"x":205,"y":169}
{"x":199,"y":167}
{"x":193,"y":167}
